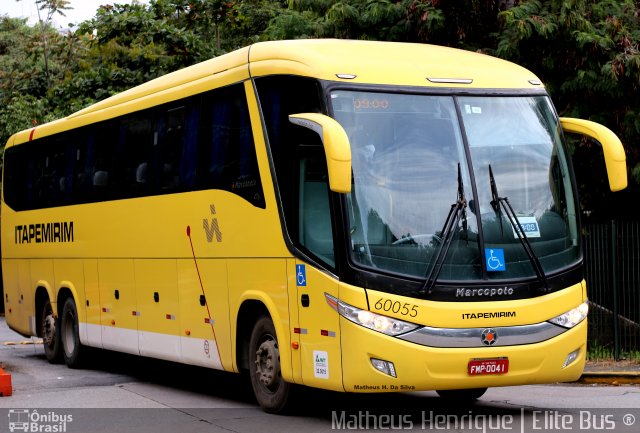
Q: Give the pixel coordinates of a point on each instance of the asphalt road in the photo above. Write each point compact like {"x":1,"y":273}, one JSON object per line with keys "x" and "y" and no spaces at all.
{"x":122,"y":393}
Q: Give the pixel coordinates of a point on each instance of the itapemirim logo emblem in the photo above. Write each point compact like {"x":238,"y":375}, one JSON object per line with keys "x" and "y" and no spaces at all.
{"x":489,"y":337}
{"x":27,"y":420}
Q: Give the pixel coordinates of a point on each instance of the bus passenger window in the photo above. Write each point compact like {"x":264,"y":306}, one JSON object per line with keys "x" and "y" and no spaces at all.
{"x":226,"y":154}
{"x":169,"y":147}
{"x":188,"y":153}
{"x":134,"y":144}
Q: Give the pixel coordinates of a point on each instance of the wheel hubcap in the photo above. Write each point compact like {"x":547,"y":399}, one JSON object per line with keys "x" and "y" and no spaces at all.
{"x":48,"y":329}
{"x":268,"y":363}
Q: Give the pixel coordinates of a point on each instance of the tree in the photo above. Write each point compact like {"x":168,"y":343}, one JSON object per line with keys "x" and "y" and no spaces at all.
{"x":23,"y":86}
{"x":51,"y":7}
{"x":587,"y":54}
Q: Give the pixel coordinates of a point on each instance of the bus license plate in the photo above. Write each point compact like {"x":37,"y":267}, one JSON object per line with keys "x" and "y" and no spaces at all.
{"x":488,"y":366}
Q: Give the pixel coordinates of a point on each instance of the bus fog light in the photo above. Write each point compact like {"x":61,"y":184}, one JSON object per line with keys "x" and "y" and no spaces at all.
{"x":385,"y":367}
{"x":570,"y":358}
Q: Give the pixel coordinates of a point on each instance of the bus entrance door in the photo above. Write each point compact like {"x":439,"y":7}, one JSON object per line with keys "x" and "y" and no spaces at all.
{"x":318,"y":328}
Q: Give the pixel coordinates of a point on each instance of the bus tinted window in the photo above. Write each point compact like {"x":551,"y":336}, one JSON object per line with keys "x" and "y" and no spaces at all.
{"x":226,"y":154}
{"x":200,"y":142}
{"x":299,"y":162}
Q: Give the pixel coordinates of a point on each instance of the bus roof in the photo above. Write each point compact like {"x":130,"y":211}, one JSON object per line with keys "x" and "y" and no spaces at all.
{"x":371,"y":62}
{"x":394,"y":63}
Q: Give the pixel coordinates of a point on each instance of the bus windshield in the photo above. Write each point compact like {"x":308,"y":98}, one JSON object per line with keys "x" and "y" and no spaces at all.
{"x":413,"y":155}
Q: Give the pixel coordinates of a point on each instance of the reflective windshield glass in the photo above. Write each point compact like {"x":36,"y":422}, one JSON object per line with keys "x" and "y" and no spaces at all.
{"x":519,"y":138}
{"x":406,"y":150}
{"x":405,"y":155}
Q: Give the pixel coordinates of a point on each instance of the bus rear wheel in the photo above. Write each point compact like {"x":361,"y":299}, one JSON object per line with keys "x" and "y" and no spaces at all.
{"x":462,"y":395}
{"x":270,"y":389}
{"x":70,"y":335}
{"x":51,"y":334}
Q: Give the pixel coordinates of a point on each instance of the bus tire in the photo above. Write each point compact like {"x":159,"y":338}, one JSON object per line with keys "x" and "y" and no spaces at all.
{"x":462,"y":395}
{"x":70,"y":335}
{"x":51,"y":334}
{"x":270,"y":389}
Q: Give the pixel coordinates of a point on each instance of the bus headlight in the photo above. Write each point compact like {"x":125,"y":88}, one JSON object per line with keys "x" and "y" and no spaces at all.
{"x":377,"y":322}
{"x":572,"y":317}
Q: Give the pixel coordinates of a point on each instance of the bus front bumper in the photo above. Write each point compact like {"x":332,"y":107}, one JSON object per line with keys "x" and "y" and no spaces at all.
{"x":417,"y":367}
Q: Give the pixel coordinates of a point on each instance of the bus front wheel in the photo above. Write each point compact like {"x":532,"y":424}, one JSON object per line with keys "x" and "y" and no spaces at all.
{"x":51,"y":334}
{"x":70,"y":335}
{"x":270,"y":389}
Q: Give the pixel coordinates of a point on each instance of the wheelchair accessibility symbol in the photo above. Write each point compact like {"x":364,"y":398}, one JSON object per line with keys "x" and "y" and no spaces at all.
{"x":301,"y":275}
{"x":495,"y":259}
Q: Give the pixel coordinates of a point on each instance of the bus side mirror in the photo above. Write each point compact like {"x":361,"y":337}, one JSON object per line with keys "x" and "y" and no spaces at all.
{"x":614,"y":157}
{"x":336,"y":147}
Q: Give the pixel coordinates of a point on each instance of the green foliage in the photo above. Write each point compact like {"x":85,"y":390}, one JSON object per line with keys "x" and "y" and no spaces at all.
{"x":587,"y":54}
{"x":23,"y":77}
{"x":23,"y":112}
{"x":598,"y":352}
{"x":403,"y":20}
{"x":585,"y":51}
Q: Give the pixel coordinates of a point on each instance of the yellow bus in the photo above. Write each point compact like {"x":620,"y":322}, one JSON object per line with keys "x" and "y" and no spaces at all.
{"x":348,"y":215}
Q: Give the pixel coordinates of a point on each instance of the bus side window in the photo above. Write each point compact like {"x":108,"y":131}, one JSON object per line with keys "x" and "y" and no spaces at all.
{"x":18,"y":172}
{"x":188,"y":157}
{"x":315,"y":216}
{"x":45,"y":181}
{"x":169,"y":147}
{"x":64,"y":183}
{"x":101,"y":160}
{"x":75,"y":181}
{"x":134,"y":147}
{"x":226,"y":154}
{"x":176,"y":145}
{"x":300,"y":163}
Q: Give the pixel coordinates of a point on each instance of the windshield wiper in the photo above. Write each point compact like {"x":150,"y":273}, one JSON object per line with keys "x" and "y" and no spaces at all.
{"x":497,"y":203}
{"x":457,"y":212}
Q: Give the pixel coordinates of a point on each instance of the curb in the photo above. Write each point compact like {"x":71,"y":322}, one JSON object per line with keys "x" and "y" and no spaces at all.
{"x":612,"y":373}
{"x":610,"y":377}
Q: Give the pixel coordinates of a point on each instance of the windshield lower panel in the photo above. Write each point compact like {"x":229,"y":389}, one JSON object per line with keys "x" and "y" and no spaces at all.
{"x":415,"y":158}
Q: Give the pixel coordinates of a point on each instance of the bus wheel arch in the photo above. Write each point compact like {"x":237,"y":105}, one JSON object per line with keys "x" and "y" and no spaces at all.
{"x":257,"y":352}
{"x":248,"y":314}
{"x":269,"y":387}
{"x":41,"y":297}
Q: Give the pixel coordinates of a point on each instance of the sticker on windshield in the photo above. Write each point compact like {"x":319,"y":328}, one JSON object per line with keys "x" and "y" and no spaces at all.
{"x":470,"y":109}
{"x":495,"y":259}
{"x":529,"y":226}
